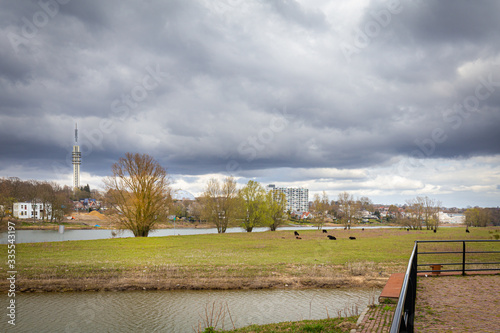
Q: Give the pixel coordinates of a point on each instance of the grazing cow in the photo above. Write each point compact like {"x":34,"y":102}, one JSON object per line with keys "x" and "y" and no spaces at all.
{"x":352,"y":237}
{"x":324,"y":231}
{"x":331,"y":237}
{"x":298,"y":237}
{"x":296,"y":233}
{"x":434,"y":230}
{"x":467,"y":230}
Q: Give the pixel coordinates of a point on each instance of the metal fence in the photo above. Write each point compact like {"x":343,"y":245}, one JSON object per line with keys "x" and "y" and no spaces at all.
{"x":405,"y":310}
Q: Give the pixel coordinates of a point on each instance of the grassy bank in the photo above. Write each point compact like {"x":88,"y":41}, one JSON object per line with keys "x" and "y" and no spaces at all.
{"x":331,"y":325}
{"x":223,"y":261}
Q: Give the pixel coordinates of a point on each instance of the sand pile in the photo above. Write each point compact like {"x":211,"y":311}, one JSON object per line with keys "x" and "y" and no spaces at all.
{"x":95,"y":213}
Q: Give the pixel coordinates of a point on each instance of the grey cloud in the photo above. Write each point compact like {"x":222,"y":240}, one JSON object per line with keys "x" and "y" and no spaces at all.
{"x":293,"y":11}
{"x":228,"y":70}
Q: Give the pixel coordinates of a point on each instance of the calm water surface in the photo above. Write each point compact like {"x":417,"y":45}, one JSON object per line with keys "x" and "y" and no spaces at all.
{"x":176,"y":311}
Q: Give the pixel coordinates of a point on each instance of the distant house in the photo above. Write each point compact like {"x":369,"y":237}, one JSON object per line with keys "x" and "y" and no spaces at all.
{"x":301,"y":215}
{"x":28,"y":210}
{"x":78,"y":205}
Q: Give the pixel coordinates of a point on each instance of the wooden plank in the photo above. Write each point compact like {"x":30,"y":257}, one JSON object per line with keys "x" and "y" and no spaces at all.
{"x":392,"y":288}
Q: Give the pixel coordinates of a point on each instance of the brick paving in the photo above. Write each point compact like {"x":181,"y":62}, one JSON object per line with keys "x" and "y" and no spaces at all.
{"x":445,"y":304}
{"x":377,"y":319}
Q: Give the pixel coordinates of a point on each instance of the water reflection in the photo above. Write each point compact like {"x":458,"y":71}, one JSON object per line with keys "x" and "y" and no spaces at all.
{"x":179,"y":311}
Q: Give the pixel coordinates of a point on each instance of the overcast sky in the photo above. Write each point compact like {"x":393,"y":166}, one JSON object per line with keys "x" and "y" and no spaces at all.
{"x":385,"y":99}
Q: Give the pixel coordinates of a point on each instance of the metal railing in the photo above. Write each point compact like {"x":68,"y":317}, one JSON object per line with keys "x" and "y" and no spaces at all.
{"x":405,"y":310}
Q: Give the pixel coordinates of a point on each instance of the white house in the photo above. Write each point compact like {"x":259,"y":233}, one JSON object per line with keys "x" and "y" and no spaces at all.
{"x":26,"y":210}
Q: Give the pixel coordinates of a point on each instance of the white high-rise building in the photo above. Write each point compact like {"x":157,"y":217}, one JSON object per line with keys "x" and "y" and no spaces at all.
{"x":297,"y":199}
{"x":77,"y":160}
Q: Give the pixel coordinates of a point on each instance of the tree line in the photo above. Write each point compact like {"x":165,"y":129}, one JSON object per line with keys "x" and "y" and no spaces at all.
{"x":54,"y":198}
{"x":251,"y":206}
{"x":139,"y":196}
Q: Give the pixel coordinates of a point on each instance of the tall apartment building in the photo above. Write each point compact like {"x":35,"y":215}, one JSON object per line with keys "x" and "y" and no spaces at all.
{"x":297,"y":199}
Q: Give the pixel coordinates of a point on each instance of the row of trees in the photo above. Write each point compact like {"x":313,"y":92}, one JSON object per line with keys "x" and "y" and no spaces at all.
{"x":51,"y":195}
{"x":417,"y":212}
{"x":224,"y":205}
{"x":420,"y":211}
{"x":345,"y":209}
{"x":139,"y":195}
{"x":477,"y":217}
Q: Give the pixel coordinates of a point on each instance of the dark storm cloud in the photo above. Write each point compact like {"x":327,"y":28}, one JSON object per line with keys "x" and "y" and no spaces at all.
{"x":203,"y":85}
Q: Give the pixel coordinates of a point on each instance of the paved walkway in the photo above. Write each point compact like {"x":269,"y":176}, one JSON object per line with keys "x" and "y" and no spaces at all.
{"x":445,"y":304}
{"x":377,"y":319}
{"x":458,"y":304}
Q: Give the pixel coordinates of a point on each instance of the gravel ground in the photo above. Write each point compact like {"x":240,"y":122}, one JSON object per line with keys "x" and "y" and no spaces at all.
{"x":458,"y":304}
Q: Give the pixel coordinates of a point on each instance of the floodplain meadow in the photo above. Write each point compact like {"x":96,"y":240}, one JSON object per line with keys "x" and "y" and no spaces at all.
{"x":227,"y":261}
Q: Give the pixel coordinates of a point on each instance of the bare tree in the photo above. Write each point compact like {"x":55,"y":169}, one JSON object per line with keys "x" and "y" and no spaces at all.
{"x":58,"y":203}
{"x":276,"y":202}
{"x":195,"y":209}
{"x":220,"y":203}
{"x":414,"y":213}
{"x":320,"y":208}
{"x":366,"y":204}
{"x":431,"y":209}
{"x":46,"y":195}
{"x":348,"y":208}
{"x":140,"y":192}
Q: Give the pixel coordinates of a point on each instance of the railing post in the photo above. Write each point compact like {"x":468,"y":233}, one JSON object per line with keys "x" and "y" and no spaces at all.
{"x":463,"y":258}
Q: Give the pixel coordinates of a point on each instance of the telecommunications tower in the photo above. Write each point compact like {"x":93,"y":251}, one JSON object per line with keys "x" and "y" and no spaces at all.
{"x":77,"y":160}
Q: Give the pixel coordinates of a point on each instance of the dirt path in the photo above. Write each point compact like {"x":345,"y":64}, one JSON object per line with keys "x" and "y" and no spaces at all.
{"x":458,"y":304}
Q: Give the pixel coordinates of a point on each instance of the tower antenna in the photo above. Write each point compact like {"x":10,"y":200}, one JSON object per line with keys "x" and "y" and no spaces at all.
{"x":76,"y":133}
{"x":77,"y":160}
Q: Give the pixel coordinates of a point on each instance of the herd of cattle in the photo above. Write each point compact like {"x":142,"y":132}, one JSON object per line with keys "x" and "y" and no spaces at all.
{"x":330,"y":237}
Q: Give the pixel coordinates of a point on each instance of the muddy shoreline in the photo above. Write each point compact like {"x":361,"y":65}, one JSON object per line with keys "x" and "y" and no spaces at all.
{"x":129,"y":284}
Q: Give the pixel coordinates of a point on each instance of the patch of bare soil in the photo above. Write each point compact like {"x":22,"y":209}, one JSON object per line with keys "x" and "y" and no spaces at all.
{"x":458,"y":304}
{"x":147,"y":283}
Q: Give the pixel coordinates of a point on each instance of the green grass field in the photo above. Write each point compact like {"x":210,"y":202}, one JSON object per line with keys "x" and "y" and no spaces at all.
{"x":249,"y":256}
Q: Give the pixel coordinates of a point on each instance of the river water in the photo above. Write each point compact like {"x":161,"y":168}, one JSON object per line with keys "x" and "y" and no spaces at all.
{"x":177,"y":311}
{"x":35,"y":236}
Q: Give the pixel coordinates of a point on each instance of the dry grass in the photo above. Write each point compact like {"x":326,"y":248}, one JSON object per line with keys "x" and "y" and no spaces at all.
{"x":223,"y":261}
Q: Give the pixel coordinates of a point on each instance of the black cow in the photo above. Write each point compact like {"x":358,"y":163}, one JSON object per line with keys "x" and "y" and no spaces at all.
{"x":352,"y":237}
{"x":467,"y":230}
{"x":324,"y":231}
{"x":298,"y":237}
{"x":296,"y":233}
{"x":331,"y":237}
{"x":434,"y":230}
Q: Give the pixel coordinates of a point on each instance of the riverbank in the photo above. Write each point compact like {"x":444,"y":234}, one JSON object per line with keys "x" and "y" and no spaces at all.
{"x":152,"y":283}
{"x":222,"y":261}
{"x":96,"y":220}
{"x":331,"y":325}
